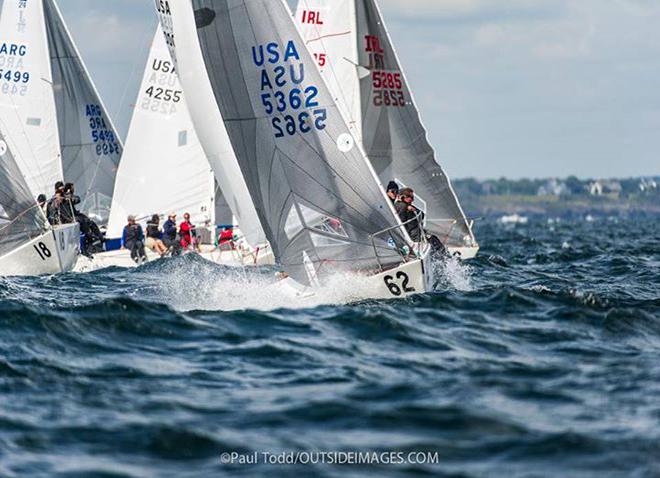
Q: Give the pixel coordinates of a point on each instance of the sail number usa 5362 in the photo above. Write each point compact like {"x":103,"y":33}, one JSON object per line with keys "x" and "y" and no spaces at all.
{"x":284,"y":92}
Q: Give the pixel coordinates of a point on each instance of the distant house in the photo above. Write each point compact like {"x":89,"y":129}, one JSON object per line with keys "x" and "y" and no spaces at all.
{"x":648,"y":185}
{"x":553,"y":187}
{"x":595,"y":188}
{"x":608,"y":187}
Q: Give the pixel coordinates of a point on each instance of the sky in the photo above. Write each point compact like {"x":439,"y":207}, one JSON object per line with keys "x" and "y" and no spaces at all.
{"x":515,"y":88}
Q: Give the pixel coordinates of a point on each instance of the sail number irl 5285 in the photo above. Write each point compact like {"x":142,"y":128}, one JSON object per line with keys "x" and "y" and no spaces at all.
{"x":284,"y":92}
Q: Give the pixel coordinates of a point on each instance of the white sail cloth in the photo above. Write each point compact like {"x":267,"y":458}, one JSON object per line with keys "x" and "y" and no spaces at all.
{"x":207,"y":119}
{"x":20,"y":218}
{"x":356,"y":57}
{"x":50,"y":108}
{"x":164,"y":168}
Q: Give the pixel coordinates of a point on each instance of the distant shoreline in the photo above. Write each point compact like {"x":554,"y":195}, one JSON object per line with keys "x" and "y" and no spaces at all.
{"x":561,"y":198}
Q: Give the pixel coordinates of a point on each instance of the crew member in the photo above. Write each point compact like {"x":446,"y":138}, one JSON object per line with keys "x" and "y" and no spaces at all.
{"x":411,"y":217}
{"x":133,"y":239}
{"x":154,"y":235}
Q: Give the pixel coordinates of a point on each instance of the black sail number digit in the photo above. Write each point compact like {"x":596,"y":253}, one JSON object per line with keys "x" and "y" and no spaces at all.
{"x":43,"y":251}
{"x":399,"y":286}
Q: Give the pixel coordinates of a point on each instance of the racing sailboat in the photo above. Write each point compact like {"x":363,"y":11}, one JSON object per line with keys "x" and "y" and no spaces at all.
{"x":319,"y":201}
{"x":164,"y":169}
{"x":355,"y":54}
{"x":28,"y":245}
{"x":51,"y":109}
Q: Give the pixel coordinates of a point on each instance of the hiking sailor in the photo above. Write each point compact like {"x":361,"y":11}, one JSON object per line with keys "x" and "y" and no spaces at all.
{"x":392,"y":191}
{"x":154,"y":235}
{"x":93,"y":237}
{"x":411,"y":217}
{"x":170,"y":235}
{"x":133,"y":240}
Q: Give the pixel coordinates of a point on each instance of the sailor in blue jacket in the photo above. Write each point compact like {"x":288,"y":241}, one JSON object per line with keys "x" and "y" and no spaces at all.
{"x":133,"y":239}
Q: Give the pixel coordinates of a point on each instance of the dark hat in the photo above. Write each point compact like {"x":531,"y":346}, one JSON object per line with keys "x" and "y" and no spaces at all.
{"x":392,"y":186}
{"x":41,"y":198}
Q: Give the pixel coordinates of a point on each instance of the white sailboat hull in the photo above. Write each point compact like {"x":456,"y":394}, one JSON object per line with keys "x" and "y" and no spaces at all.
{"x":463,"y":253}
{"x":407,"y":280}
{"x":122,"y":258}
{"x":54,"y":252}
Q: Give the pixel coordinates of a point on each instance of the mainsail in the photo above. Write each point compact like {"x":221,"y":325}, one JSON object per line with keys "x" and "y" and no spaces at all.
{"x":27,"y":105}
{"x":20,"y":217}
{"x":318,"y":199}
{"x":164,"y":168}
{"x":355,"y":55}
{"x":90,"y":147}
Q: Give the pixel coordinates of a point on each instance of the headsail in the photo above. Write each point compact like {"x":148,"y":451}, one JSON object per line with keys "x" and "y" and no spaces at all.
{"x":356,"y":56}
{"x":318,"y":199}
{"x":90,"y":147}
{"x":27,"y":106}
{"x":207,"y":120}
{"x":163,"y":168}
{"x":20,"y":217}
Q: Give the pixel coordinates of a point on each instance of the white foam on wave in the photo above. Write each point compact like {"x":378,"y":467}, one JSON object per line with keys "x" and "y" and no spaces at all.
{"x":452,"y":273}
{"x":247,"y":288}
{"x":202,"y":286}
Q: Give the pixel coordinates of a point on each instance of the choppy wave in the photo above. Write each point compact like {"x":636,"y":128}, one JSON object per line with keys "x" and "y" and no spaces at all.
{"x":539,"y":358}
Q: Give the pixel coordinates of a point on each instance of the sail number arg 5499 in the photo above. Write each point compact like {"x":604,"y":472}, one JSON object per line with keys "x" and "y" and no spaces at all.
{"x":283,"y":91}
{"x":103,"y":137}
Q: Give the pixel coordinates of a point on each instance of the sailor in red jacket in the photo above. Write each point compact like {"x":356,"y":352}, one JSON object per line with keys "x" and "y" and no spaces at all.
{"x":226,"y":239}
{"x":187,"y":233}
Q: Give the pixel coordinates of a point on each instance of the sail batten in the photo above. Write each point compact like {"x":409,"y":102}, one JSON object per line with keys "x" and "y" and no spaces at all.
{"x":301,"y":164}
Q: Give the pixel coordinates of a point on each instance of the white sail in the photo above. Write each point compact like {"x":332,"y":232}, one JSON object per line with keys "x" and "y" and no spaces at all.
{"x":27,"y":104}
{"x":20,"y":217}
{"x":163,"y":168}
{"x":207,"y":119}
{"x":90,"y":146}
{"x":318,"y":199}
{"x":355,"y":55}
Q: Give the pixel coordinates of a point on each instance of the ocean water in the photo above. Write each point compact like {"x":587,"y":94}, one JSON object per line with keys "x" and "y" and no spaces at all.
{"x":540,"y":358}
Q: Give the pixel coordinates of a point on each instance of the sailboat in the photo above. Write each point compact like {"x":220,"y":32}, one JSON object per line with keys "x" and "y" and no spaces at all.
{"x":54,"y":120}
{"x":164,"y":170}
{"x":28,"y":245}
{"x":355,"y":54}
{"x":319,"y":201}
{"x":52,"y":109}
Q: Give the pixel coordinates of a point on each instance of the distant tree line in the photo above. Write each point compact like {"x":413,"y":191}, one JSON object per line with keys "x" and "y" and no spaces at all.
{"x":570,"y":186}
